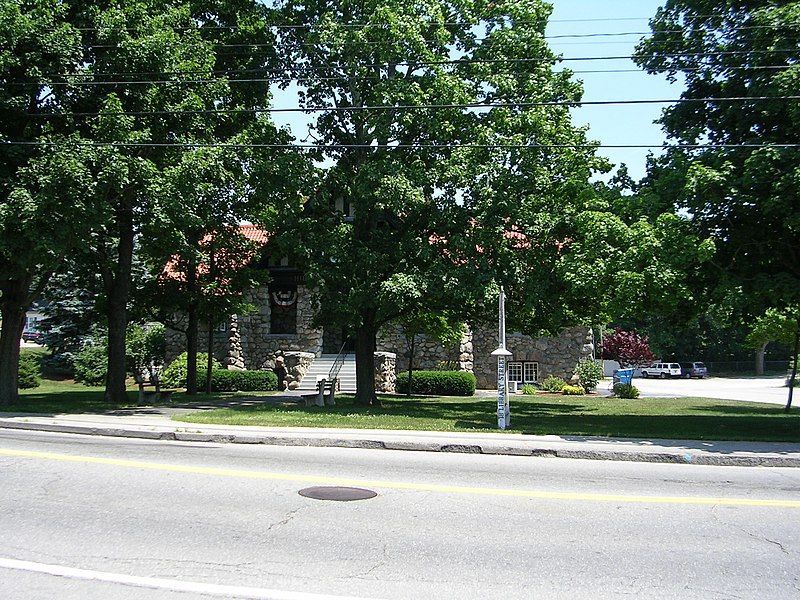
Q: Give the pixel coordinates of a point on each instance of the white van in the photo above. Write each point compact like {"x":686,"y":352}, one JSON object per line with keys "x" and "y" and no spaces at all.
{"x":662,"y":370}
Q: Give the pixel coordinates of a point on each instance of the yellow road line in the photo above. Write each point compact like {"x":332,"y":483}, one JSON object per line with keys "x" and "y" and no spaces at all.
{"x":399,"y":485}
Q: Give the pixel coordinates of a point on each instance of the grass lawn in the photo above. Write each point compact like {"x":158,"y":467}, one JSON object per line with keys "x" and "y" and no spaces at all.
{"x":651,"y":418}
{"x":54,"y":397}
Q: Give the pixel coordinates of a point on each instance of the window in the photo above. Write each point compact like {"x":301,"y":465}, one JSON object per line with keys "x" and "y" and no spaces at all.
{"x":527,"y":372}
{"x":283,"y":309}
{"x":531,"y":372}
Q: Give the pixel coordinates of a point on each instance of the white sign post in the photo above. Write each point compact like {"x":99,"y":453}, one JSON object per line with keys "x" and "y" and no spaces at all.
{"x":503,"y":406}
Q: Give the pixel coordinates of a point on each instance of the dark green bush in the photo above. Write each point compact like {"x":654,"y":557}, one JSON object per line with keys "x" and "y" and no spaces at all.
{"x":626,"y":390}
{"x":553,"y":384}
{"x":174,"y":376}
{"x":29,"y":371}
{"x":91,"y":363}
{"x":438,"y":383}
{"x":223,"y":380}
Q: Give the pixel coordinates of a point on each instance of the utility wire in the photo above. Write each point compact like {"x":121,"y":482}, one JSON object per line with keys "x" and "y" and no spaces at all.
{"x":267,"y":26}
{"x":419,"y":64}
{"x":408,"y":107}
{"x":340,"y":78}
{"x":201,"y":145}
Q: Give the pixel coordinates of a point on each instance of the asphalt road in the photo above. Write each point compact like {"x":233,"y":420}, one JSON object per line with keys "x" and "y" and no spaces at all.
{"x":170,"y":514}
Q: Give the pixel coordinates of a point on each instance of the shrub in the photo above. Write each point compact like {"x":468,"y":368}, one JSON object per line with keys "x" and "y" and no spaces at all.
{"x":438,"y":383}
{"x":29,"y":371}
{"x":529,"y":390}
{"x":589,"y":373}
{"x":446,"y":365}
{"x":91,"y":363}
{"x":626,"y":390}
{"x":174,"y":376}
{"x":223,"y":380}
{"x":553,"y":384}
{"x":573,"y":390}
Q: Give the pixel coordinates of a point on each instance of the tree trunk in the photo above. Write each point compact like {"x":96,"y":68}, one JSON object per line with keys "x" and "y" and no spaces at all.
{"x":793,"y":378}
{"x":411,"y":363}
{"x":365,"y":363}
{"x":760,"y":353}
{"x":13,"y":313}
{"x":210,"y":361}
{"x":192,"y":327}
{"x":118,"y":290}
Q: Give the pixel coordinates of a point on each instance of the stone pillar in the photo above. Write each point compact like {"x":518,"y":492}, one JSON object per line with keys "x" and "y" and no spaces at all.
{"x":466,"y":356}
{"x":235,"y":358}
{"x":385,"y":372}
{"x":296,"y":364}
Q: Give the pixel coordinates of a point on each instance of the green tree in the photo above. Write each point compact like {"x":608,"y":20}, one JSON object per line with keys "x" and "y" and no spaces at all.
{"x":145,"y":129}
{"x":35,"y":38}
{"x":739,"y":61}
{"x":413,"y":199}
{"x":779,"y":326}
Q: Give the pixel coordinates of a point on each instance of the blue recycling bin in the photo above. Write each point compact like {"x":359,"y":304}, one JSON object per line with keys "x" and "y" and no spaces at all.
{"x":623,"y":376}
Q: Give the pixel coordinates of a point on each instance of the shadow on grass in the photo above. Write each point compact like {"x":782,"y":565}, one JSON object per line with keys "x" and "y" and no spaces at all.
{"x":571,"y":421}
{"x":65,"y":398}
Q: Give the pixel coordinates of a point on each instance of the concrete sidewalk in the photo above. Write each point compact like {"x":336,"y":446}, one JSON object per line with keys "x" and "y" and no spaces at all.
{"x":155,"y":423}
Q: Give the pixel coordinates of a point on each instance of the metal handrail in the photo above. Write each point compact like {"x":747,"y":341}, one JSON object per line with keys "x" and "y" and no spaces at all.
{"x":339,"y":362}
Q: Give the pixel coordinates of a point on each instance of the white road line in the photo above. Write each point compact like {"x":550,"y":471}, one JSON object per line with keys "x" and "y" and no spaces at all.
{"x":210,"y":589}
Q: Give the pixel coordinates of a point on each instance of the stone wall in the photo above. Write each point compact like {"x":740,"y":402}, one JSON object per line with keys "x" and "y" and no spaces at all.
{"x":258,"y":345}
{"x":428,"y":353}
{"x":556,"y":356}
{"x":176,"y":344}
{"x":385,"y":372}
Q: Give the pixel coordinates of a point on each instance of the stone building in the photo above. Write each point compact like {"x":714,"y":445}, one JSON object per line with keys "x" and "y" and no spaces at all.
{"x":281,"y":332}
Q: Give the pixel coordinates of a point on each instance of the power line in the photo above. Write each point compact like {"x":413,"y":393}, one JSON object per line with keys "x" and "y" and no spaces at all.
{"x":290,"y":26}
{"x":339,"y":78}
{"x":202,"y":145}
{"x":419,"y":64}
{"x":477,"y":39}
{"x":407,"y":107}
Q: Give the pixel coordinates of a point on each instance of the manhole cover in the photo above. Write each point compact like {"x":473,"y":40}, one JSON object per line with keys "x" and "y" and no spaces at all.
{"x":337,"y":494}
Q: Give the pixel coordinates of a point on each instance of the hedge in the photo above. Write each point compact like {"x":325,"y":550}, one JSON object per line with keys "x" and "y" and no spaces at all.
{"x":223,"y":380}
{"x":438,"y":383}
{"x":174,"y":376}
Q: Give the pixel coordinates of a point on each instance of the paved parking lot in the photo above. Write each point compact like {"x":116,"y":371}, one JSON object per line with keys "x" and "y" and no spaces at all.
{"x":770,"y":390}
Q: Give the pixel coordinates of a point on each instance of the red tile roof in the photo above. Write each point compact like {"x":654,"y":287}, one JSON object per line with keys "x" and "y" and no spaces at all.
{"x":252,"y":232}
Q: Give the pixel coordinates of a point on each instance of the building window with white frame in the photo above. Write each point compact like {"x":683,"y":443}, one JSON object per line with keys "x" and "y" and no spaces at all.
{"x":530,"y":372}
{"x":515,"y":372}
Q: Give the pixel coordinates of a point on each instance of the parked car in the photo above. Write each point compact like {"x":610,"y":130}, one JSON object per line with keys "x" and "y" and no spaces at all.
{"x":694,"y":369}
{"x":32,"y":336}
{"x":662,"y":369}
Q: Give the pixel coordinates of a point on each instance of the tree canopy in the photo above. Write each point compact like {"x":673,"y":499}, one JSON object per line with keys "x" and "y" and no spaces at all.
{"x":739,"y":62}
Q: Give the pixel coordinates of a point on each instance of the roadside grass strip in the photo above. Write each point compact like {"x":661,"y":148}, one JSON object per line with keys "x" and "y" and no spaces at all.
{"x":645,"y":418}
{"x":408,"y":486}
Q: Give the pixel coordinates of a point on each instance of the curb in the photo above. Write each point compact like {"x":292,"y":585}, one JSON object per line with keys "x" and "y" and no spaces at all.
{"x":692,"y":457}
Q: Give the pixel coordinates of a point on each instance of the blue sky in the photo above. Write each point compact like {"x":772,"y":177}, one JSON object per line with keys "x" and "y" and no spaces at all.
{"x":623,"y":124}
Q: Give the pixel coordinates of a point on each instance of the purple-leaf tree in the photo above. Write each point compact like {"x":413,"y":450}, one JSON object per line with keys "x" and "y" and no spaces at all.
{"x":628,"y":348}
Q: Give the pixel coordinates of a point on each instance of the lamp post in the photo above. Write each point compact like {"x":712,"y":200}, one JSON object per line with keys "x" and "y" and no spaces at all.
{"x":503,"y":408}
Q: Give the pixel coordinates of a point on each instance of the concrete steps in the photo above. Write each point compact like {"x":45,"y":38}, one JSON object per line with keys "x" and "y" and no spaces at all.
{"x":321,"y":367}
